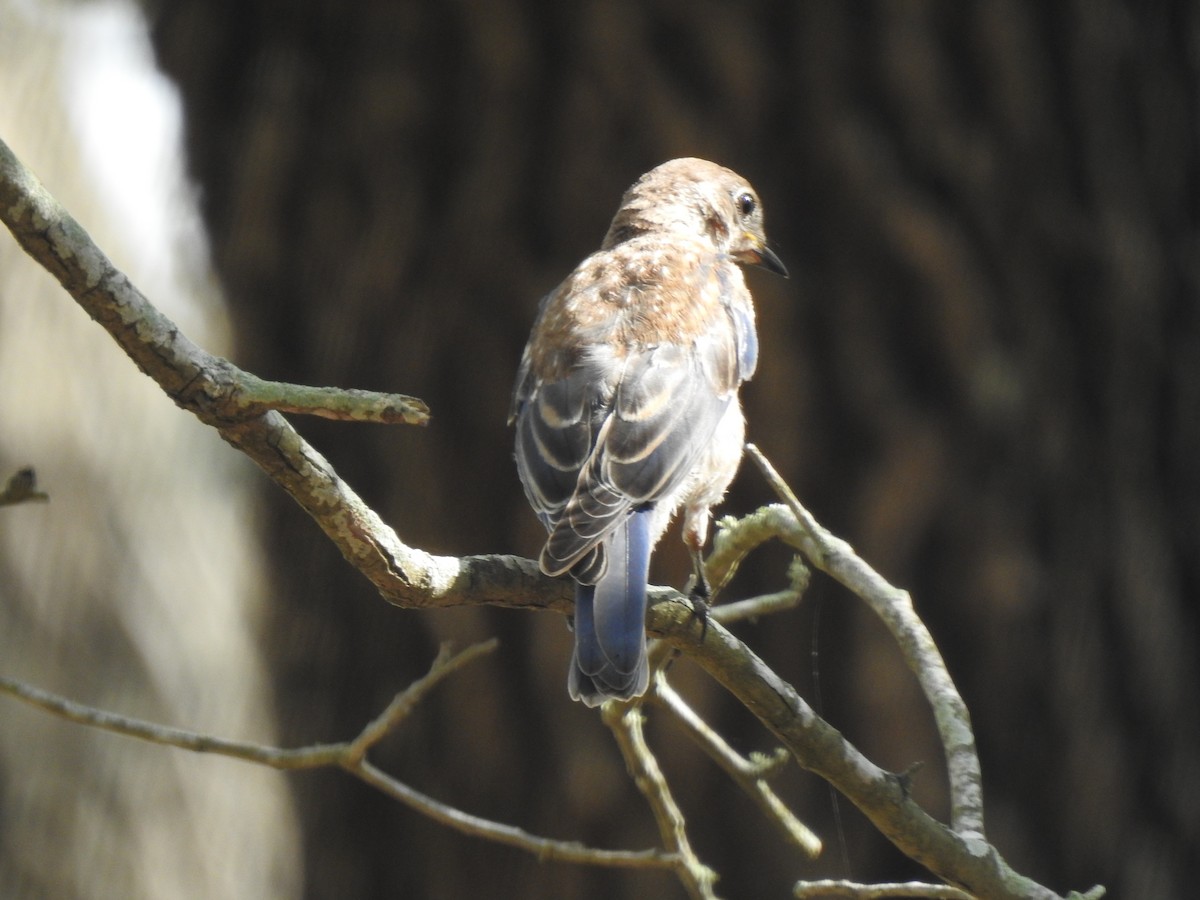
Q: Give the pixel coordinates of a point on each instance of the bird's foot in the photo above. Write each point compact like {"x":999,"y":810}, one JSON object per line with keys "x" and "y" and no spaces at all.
{"x":699,"y":596}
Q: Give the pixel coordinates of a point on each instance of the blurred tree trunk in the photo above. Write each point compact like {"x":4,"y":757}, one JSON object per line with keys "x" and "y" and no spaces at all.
{"x":985,"y":373}
{"x":139,"y":585}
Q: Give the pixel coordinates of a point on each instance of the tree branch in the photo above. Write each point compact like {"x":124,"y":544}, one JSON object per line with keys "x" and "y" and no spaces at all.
{"x":216,"y":391}
{"x":351,"y":756}
{"x":767,"y":604}
{"x":750,"y":775}
{"x":234,"y":403}
{"x":253,"y":395}
{"x":625,"y":722}
{"x":849,"y":890}
{"x":837,"y":558}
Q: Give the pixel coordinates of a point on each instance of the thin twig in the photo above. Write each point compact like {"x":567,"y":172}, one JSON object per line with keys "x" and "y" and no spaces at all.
{"x":406,"y":701}
{"x":350,"y":756}
{"x":730,"y":545}
{"x":837,"y":558}
{"x":849,"y":890}
{"x":750,"y":775}
{"x":767,"y":604}
{"x":625,"y":722}
{"x":255,"y":395}
{"x":310,"y":757}
{"x":545,"y":849}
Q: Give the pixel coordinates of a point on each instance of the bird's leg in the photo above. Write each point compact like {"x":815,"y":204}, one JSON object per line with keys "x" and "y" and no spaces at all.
{"x":695,"y":531}
{"x":701,"y":592}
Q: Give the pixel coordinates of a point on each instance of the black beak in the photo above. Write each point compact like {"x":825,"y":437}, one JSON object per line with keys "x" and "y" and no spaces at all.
{"x":772,"y":263}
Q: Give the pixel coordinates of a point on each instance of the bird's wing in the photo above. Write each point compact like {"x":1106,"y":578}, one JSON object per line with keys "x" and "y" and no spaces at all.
{"x":663,"y":414}
{"x":645,"y":430}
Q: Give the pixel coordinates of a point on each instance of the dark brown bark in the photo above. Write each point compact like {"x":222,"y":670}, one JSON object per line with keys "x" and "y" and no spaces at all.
{"x":985,"y":373}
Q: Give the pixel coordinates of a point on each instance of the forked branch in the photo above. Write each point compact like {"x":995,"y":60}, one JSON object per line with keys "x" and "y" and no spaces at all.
{"x":351,"y":756}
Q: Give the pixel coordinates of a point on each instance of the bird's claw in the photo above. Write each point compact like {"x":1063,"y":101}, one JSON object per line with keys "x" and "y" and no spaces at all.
{"x":699,"y":596}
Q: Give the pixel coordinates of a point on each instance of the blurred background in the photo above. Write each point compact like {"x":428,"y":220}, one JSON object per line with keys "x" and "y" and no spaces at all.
{"x":984,"y":372}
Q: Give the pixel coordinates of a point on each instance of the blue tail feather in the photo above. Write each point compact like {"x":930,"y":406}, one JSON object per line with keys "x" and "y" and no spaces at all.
{"x":610,"y":620}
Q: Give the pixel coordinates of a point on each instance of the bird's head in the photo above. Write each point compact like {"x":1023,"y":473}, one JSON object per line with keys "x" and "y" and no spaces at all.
{"x":695,"y":197}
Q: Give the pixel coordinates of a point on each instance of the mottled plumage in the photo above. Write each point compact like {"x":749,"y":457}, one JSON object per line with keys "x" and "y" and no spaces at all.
{"x":626,"y":404}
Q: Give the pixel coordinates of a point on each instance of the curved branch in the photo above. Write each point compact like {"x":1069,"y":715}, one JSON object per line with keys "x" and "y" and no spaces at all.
{"x":819,"y":747}
{"x":837,"y":558}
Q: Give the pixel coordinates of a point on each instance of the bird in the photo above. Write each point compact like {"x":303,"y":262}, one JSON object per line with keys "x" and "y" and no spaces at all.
{"x":626,"y":404}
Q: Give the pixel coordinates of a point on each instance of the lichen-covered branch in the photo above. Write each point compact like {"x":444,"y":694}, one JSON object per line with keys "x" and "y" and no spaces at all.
{"x":252,"y":394}
{"x":243,"y":408}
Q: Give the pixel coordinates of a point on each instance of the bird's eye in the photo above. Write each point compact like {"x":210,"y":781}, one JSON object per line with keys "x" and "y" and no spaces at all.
{"x":746,"y":204}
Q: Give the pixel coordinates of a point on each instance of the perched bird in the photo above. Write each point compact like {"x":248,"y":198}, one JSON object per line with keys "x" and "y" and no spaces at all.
{"x":626,"y":405}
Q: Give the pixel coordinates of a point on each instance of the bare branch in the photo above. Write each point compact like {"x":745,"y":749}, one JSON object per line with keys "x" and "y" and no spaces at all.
{"x":733,"y":541}
{"x":750,"y":775}
{"x":216,"y":392}
{"x":836,"y":890}
{"x":625,"y":722}
{"x":406,"y":701}
{"x":766,"y":604}
{"x":210,"y":388}
{"x":253,"y":395}
{"x":275,"y":757}
{"x":350,"y":756}
{"x":837,"y":558}
{"x":542,"y":848}
{"x":819,"y":747}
